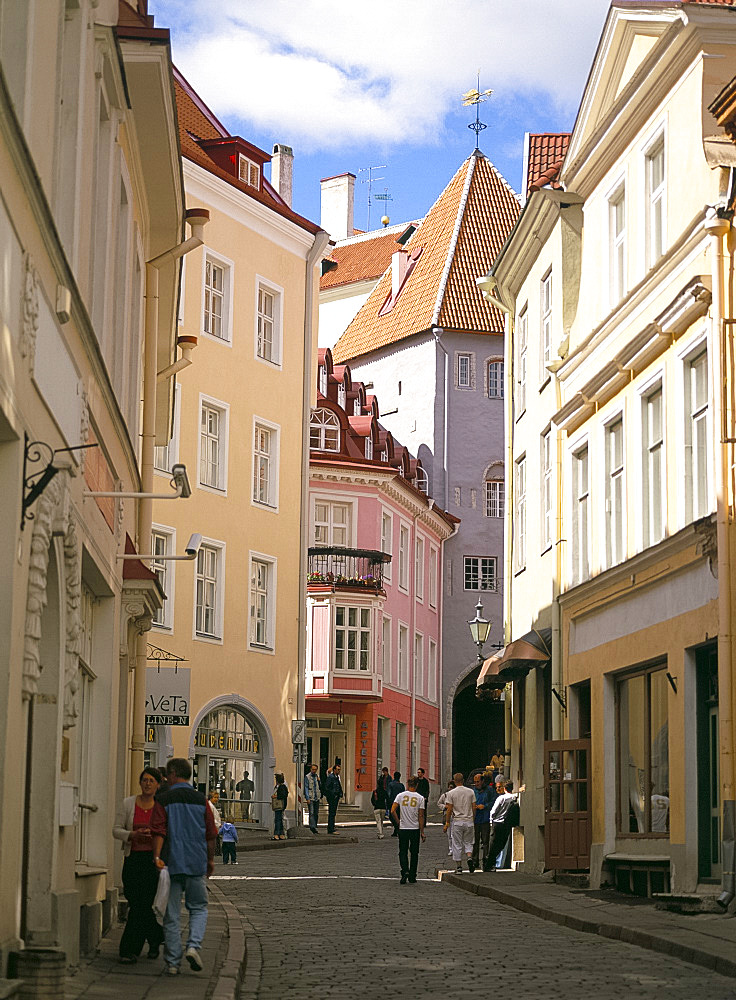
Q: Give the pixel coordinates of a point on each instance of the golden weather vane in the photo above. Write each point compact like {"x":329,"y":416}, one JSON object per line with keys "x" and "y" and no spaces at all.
{"x":475,"y":98}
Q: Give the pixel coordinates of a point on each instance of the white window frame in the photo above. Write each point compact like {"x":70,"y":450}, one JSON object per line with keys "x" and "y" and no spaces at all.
{"x":521,"y":360}
{"x":464,"y":381}
{"x":165,"y":571}
{"x":615,"y":480}
{"x":581,"y":511}
{"x":432,"y":670}
{"x":402,"y":656}
{"x":269,"y":646}
{"x":250,"y":166}
{"x":519,"y":524}
{"x":386,"y":648}
{"x":419,"y":568}
{"x":223,"y":437}
{"x":320,"y":426}
{"x":434,"y":562}
{"x":498,"y":366}
{"x":653,"y":451}
{"x":219,"y":612}
{"x":495,"y":498}
{"x":331,"y":503}
{"x":274,"y":431}
{"x":276,"y":360}
{"x":545,"y":323}
{"x":480,"y":575}
{"x":387,"y":541}
{"x":369,"y":447}
{"x":168,"y":454}
{"x":228,"y":268}
{"x":655,"y":200}
{"x":617,"y":243}
{"x":547,"y":489}
{"x":360,"y":630}
{"x":694,"y":511}
{"x":404,"y":539}
{"x":418,"y":664}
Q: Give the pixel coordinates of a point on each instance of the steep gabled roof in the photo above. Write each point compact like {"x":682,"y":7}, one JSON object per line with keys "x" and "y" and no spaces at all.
{"x":459,"y":239}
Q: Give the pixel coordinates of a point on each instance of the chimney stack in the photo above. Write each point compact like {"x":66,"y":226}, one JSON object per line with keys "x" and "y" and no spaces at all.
{"x":282,"y":171}
{"x":337,"y":203}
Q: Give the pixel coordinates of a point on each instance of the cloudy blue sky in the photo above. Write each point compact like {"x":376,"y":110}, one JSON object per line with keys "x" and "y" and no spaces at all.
{"x":350,"y":85}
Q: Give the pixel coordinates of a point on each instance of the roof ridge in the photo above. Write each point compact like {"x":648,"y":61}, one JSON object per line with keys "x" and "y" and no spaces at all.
{"x":453,"y":240}
{"x":503,"y":180}
{"x":375,"y":234}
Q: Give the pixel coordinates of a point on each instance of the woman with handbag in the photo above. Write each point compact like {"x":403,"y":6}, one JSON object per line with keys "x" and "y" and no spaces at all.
{"x":279,"y":798}
{"x":140,"y":875}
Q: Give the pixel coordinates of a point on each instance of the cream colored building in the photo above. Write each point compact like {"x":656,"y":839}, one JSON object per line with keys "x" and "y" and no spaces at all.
{"x":233,"y":616}
{"x":617,"y":479}
{"x":90,"y":189}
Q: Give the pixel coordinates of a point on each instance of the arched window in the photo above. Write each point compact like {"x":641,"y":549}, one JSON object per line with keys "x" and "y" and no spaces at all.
{"x":228,"y":761}
{"x":422,"y":480}
{"x":324,"y":431}
{"x":494,"y":377}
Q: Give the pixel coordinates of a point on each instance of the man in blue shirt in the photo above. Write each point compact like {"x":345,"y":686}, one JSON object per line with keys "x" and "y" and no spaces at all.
{"x":482,"y":820}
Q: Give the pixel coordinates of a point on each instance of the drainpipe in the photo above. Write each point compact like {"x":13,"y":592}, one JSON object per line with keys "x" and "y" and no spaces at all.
{"x":443,"y":775}
{"x":321,"y":240}
{"x":558,"y":721}
{"x":197,"y":219}
{"x":717,"y":227}
{"x":438,"y":331}
{"x":413,"y":636}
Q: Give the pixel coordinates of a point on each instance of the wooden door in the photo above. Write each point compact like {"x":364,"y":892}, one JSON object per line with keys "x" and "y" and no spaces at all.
{"x":567,"y":804}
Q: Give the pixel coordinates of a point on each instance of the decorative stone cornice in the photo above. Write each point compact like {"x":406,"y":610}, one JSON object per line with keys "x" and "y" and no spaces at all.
{"x":140,"y":602}
{"x":29,"y":313}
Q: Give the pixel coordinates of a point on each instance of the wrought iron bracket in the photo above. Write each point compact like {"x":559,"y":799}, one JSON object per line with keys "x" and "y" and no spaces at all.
{"x":562,"y":700}
{"x":672,"y":680}
{"x":38,"y":453}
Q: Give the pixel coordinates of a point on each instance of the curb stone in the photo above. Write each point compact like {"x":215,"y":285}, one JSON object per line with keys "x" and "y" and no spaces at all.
{"x":280,"y":845}
{"x":231,"y":972}
{"x":630,"y":935}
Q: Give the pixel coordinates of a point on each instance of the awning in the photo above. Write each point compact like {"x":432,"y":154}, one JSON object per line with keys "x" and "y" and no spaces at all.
{"x":516,"y":660}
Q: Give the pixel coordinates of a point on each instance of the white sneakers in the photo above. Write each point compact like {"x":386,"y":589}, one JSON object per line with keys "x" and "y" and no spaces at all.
{"x":193,"y":957}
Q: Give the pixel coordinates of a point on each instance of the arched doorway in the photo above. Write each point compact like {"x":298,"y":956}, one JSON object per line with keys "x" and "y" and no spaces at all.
{"x":478,"y":726}
{"x":229,"y":758}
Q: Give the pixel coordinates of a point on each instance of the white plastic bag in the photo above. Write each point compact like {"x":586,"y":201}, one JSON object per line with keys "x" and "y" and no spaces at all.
{"x":162,"y":895}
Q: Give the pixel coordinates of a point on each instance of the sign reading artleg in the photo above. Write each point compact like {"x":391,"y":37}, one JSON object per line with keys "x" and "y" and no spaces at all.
{"x":167,"y":696}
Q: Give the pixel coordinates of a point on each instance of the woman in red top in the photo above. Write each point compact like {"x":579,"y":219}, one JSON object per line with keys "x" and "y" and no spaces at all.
{"x":140,"y":875}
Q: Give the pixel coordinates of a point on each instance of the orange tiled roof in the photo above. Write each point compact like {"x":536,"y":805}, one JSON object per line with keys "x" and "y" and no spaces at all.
{"x":362,"y":259}
{"x":460,"y":238}
{"x":546,"y":153}
{"x":196,"y":121}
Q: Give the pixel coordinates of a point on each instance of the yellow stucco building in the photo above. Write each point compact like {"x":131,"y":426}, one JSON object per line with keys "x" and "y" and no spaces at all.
{"x":234,"y":614}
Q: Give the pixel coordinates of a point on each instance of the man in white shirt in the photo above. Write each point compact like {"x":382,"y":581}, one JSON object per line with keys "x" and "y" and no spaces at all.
{"x":408,"y":809}
{"x":502,"y":822}
{"x":460,"y":808}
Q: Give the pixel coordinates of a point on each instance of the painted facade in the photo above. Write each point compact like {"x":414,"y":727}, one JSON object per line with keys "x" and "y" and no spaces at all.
{"x":249,"y":303}
{"x":433,"y":351}
{"x":374,"y":657}
{"x":618,"y":540}
{"x":89,"y":191}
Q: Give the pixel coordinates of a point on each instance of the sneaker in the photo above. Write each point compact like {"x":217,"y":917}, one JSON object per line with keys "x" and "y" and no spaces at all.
{"x":403,"y":880}
{"x":412,"y":881}
{"x":458,"y":870}
{"x":127,"y":960}
{"x":193,"y":957}
{"x":449,"y":854}
{"x":471,"y":866}
{"x":171,"y":970}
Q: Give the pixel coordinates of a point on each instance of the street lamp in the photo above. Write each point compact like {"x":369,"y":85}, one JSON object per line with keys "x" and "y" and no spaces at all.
{"x":480,"y":629}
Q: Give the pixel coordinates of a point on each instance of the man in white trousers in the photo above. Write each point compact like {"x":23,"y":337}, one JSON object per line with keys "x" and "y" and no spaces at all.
{"x":460,"y":809}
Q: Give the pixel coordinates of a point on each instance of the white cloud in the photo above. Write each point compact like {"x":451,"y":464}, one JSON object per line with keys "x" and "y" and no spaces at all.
{"x":330,"y":73}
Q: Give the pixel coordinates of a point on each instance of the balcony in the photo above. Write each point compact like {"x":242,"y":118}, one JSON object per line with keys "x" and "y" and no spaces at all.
{"x":332,"y":567}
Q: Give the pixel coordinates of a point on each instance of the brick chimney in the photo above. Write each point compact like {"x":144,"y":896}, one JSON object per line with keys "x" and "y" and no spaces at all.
{"x":282,"y":171}
{"x":337,"y":202}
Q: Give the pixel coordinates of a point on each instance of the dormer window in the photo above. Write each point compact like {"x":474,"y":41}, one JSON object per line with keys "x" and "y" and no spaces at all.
{"x":249,"y":172}
{"x":369,"y":447}
{"x":322,"y":373}
{"x":423,"y":481}
{"x":341,"y":395}
{"x":356,"y":406}
{"x":384,"y":455}
{"x":324,"y":431}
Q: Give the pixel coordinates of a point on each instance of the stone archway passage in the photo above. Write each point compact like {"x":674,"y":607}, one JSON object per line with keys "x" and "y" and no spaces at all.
{"x":477,"y":728}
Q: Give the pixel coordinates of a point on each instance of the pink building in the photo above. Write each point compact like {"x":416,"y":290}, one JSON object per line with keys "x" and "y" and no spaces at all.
{"x":374,"y":594}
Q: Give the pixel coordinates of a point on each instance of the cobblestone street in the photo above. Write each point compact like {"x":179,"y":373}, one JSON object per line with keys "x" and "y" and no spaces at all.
{"x":335,"y":923}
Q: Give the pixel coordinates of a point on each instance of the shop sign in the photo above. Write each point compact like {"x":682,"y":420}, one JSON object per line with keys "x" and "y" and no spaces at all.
{"x":219,"y":739}
{"x":167,"y":696}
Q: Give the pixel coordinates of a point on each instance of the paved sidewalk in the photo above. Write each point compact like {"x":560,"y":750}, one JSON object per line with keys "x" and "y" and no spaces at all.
{"x":103,"y":978}
{"x":707,"y":939}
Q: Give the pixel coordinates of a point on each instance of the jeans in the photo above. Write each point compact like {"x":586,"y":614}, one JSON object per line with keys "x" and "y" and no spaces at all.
{"x":332,"y":805}
{"x":194,"y":888}
{"x":278,"y":822}
{"x":480,"y":842}
{"x":378,"y":813}
{"x":409,"y":852}
{"x":228,"y":852}
{"x":313,"y":809}
{"x":140,"y":881}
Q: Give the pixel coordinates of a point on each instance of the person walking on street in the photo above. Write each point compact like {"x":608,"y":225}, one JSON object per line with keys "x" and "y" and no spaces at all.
{"x":183,"y":838}
{"x":423,"y":789}
{"x":460,"y":802}
{"x":408,"y":808}
{"x":442,"y":805}
{"x":482,"y":821}
{"x":379,"y":801}
{"x":394,"y":787}
{"x":229,"y":835}
{"x":312,"y":794}
{"x":140,"y":874}
{"x":279,"y":798}
{"x":333,"y":793}
{"x":504,"y":816}
{"x":384,"y":781}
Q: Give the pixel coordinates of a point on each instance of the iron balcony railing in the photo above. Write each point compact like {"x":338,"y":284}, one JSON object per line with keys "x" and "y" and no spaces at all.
{"x":336,"y":566}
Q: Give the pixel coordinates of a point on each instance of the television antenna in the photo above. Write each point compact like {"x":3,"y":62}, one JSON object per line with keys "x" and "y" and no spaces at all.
{"x":370,"y":181}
